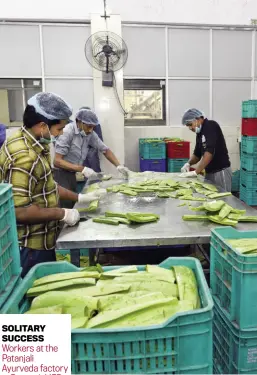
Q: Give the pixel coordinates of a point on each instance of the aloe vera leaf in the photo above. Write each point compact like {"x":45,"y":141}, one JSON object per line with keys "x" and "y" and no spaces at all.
{"x":184,"y":192}
{"x":65,"y":276}
{"x":106,"y":220}
{"x":46,"y":310}
{"x":219,"y":195}
{"x":234,"y":216}
{"x":214,"y":206}
{"x":129,"y":192}
{"x":195,"y":217}
{"x":244,"y":245}
{"x":91,"y":188}
{"x":251,"y":219}
{"x":225,"y":211}
{"x":209,"y":186}
{"x":236,"y":211}
{"x":198,"y":208}
{"x":182,"y":204}
{"x":34,"y":291}
{"x":115,"y":214}
{"x":167,"y":289}
{"x":65,"y":299}
{"x":226,"y":221}
{"x":141,"y":218}
{"x":163,"y":274}
{"x":163,"y":195}
{"x":79,"y":322}
{"x":187,"y":285}
{"x":123,"y":270}
{"x":144,"y":214}
{"x":189,"y":198}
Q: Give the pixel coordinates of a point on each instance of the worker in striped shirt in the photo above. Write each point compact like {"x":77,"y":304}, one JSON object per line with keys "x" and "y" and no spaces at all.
{"x":25,"y":163}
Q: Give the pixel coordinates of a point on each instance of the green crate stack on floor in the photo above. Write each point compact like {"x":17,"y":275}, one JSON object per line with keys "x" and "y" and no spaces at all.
{"x":178,"y":153}
{"x":248,"y":171}
{"x":152,"y":155}
{"x":233,"y":279}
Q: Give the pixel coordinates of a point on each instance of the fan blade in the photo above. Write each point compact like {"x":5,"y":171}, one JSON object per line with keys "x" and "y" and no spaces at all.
{"x":121,"y":51}
{"x":98,"y":54}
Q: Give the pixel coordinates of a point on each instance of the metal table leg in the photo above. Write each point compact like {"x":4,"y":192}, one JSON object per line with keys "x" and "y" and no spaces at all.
{"x":92,"y":254}
{"x":75,"y":257}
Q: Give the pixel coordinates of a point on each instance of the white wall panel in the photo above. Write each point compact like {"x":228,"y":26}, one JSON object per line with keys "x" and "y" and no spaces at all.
{"x":189,"y":53}
{"x":20,"y":51}
{"x":146,"y":51}
{"x":77,"y":92}
{"x":64,"y":51}
{"x":227,"y":101}
{"x":184,"y":94}
{"x":232,"y":51}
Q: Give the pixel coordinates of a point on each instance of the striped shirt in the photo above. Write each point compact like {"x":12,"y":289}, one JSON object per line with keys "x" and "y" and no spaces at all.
{"x":26,"y":164}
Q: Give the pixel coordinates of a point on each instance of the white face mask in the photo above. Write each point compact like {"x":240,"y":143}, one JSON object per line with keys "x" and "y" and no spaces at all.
{"x":198,"y":129}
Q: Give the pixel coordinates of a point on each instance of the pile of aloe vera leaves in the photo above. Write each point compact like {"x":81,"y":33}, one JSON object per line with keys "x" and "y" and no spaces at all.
{"x":116,"y":218}
{"x":219,"y":212}
{"x":122,"y":297}
{"x":245,"y":246}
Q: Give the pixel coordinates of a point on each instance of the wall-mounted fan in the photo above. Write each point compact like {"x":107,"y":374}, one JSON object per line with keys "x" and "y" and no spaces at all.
{"x":107,"y":52}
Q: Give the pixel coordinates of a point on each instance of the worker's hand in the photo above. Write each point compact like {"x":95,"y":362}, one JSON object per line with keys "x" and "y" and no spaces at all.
{"x":92,"y":196}
{"x":188,"y":174}
{"x":71,"y":217}
{"x":124,"y":171}
{"x":185,"y":168}
{"x":88,"y":172}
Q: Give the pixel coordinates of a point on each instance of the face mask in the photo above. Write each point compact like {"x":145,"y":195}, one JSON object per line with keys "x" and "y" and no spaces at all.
{"x":198,"y":130}
{"x":45,"y":141}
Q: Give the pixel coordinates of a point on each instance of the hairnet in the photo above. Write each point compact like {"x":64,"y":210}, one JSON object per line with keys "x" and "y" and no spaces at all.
{"x":87,"y":116}
{"x":51,"y":106}
{"x":85,"y":108}
{"x":190,"y":115}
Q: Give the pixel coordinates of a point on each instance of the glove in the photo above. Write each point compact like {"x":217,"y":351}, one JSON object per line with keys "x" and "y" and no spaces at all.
{"x":185,"y":168}
{"x":71,"y":217}
{"x":188,"y":174}
{"x":92,"y":196}
{"x":88,"y":172}
{"x":123,"y":170}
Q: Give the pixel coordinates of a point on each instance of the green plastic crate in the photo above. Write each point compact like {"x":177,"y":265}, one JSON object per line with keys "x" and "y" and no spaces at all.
{"x":152,"y":148}
{"x":249,"y":109}
{"x":175,"y":347}
{"x":234,"y":350}
{"x":233,"y":278}
{"x":249,"y":144}
{"x":248,"y":162}
{"x":248,"y":194}
{"x":249,"y":179}
{"x":235,"y":181}
{"x":10,"y":267}
{"x":175,"y":165}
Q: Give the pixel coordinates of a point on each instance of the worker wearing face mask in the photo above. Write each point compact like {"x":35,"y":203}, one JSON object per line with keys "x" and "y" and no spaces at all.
{"x":72,"y":148}
{"x":25,"y":163}
{"x":210,"y":150}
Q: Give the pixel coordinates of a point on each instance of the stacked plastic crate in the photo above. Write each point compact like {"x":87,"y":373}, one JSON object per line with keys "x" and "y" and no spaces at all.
{"x":10,"y":269}
{"x":152,"y":153}
{"x":178,"y":153}
{"x":233,"y":285}
{"x":248,"y":172}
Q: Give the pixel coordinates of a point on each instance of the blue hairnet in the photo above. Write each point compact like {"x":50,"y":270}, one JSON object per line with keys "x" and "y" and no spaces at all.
{"x":51,"y":106}
{"x":190,"y":115}
{"x":88,"y":117}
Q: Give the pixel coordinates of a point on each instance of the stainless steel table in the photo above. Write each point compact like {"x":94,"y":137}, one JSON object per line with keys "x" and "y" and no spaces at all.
{"x":169,"y":230}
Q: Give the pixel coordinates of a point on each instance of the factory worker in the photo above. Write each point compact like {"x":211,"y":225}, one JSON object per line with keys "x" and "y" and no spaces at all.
{"x":210,"y":150}
{"x":72,"y":148}
{"x":25,"y":163}
{"x":92,"y":160}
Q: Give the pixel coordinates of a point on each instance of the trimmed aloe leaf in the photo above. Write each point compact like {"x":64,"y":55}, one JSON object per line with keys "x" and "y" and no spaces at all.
{"x":251,"y":219}
{"x":234,"y":216}
{"x":189,"y":198}
{"x":103,"y":290}
{"x":46,"y":310}
{"x":129,"y":192}
{"x":219,"y":195}
{"x":187,"y":285}
{"x":162,"y":274}
{"x":123,"y":270}
{"x":115,"y":214}
{"x":214,"y":206}
{"x":195,"y":217}
{"x":35,"y":291}
{"x":64,"y":298}
{"x":182,"y":204}
{"x":236,"y":211}
{"x":209,"y":186}
{"x":97,"y":268}
{"x":163,"y":195}
{"x":65,"y":276}
{"x":106,"y":220}
{"x":138,"y":217}
{"x":91,"y":208}
{"x":244,"y":245}
{"x":226,"y":221}
{"x":91,"y":188}
{"x":185,"y":192}
{"x":168,"y":289}
{"x":199,"y":208}
{"x":225,"y":211}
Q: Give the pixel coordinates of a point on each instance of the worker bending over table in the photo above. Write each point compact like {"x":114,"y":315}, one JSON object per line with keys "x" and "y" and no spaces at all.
{"x":210,"y":150}
{"x":25,"y":163}
{"x":71,"y":150}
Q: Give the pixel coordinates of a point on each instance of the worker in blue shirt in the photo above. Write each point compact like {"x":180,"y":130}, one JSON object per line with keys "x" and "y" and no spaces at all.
{"x":92,"y":160}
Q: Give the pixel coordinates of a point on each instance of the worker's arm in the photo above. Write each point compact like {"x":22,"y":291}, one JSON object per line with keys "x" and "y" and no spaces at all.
{"x":67,"y":194}
{"x":206,"y":159}
{"x":193,"y":160}
{"x":59,"y":162}
{"x":37,"y":215}
{"x":112,"y":158}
